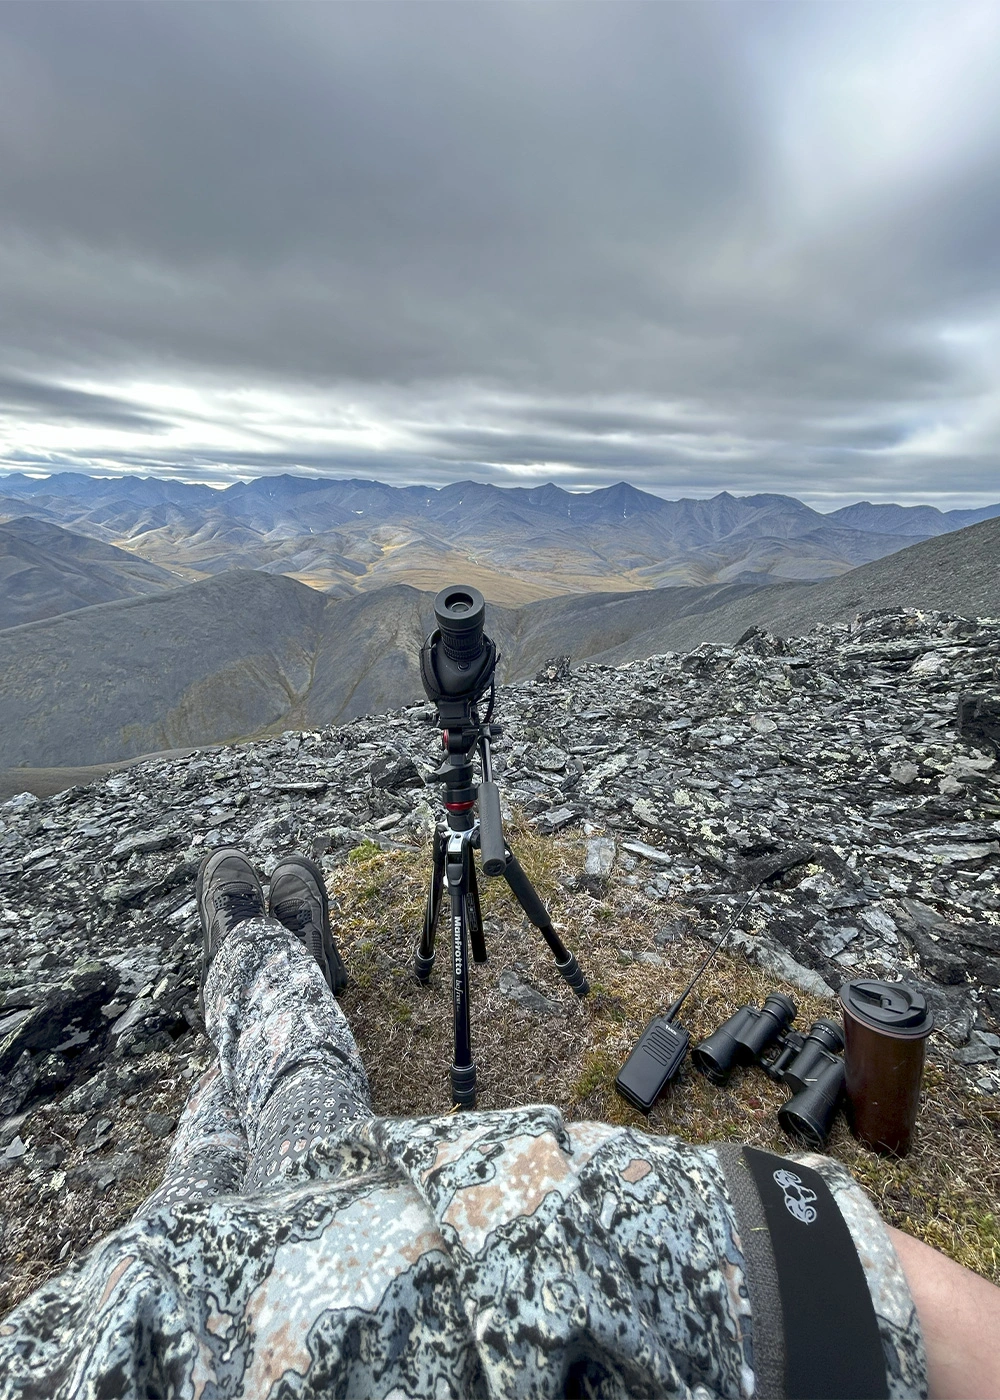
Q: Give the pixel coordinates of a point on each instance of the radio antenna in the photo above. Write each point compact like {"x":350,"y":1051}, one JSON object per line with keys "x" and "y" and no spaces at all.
{"x":725,"y":934}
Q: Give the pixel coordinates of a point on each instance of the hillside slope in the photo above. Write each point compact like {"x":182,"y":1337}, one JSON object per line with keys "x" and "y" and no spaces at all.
{"x":192,"y":666}
{"x":46,"y":570}
{"x":957,"y":573}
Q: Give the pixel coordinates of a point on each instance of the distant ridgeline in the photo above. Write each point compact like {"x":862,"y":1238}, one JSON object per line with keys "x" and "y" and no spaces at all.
{"x":517,"y":544}
{"x":250,"y":652}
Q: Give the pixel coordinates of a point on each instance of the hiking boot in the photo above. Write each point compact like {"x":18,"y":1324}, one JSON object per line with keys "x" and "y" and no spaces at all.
{"x":227,"y":892}
{"x":298,"y":899}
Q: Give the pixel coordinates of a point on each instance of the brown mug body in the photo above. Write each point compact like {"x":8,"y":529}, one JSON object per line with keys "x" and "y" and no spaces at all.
{"x":884,"y":1069}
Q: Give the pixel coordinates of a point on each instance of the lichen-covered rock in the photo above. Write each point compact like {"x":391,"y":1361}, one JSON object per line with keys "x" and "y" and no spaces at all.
{"x":979,"y":722}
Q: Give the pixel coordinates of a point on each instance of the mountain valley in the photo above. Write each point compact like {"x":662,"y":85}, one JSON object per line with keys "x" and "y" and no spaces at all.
{"x":250,"y":652}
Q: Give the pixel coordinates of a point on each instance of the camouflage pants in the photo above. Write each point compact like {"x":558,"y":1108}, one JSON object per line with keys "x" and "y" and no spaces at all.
{"x":299,"y":1246}
{"x":288,"y":1073}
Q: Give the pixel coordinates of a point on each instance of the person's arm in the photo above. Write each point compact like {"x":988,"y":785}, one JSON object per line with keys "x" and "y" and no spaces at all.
{"x":960,"y":1316}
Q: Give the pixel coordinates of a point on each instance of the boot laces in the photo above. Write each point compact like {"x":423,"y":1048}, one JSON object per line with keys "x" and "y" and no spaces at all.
{"x":295,"y":914}
{"x":239,"y":904}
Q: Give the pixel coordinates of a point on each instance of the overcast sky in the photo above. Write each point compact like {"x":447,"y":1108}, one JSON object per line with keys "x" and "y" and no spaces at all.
{"x":697,"y":246}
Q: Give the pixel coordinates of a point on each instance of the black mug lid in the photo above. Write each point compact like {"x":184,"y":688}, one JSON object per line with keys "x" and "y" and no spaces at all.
{"x":889,"y":1006}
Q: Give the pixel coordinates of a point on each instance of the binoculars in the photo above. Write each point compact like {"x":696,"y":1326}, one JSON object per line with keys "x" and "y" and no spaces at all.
{"x":811,"y":1065}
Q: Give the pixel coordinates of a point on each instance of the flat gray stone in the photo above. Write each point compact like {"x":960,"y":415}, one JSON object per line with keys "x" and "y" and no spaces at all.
{"x":138,"y":1011}
{"x":600,"y":857}
{"x":146,"y":842}
{"x":974,"y":1055}
{"x":651,"y":853}
{"x":513,"y":986}
{"x":160,"y":1125}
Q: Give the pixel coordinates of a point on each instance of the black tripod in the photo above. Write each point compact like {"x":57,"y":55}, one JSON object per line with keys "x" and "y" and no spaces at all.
{"x":457,"y":666}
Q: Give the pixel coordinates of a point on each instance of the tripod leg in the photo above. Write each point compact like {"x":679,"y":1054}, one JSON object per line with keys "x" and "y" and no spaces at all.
{"x":475,"y":914}
{"x":463,"y":1070}
{"x":424,"y":958}
{"x":527,"y":896}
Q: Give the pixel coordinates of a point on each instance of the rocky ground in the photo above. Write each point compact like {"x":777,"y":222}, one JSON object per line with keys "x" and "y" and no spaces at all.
{"x":846,"y":768}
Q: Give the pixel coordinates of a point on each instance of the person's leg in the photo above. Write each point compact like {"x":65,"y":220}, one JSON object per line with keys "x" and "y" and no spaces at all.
{"x":288,"y":1071}
{"x":960,"y":1316}
{"x":285,"y":1049}
{"x":208,"y":1156}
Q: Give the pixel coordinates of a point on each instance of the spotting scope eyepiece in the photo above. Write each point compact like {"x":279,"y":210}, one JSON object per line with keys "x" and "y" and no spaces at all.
{"x":460,"y":613}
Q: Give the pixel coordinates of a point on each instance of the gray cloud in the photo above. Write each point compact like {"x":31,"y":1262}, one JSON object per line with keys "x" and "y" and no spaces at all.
{"x":738,"y":246}
{"x":28,"y":400}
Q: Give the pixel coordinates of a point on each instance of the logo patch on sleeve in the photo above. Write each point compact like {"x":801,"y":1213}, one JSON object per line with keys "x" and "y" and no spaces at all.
{"x":798,"y":1198}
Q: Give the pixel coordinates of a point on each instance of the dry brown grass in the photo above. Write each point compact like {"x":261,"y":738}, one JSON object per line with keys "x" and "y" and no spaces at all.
{"x":945,"y":1191}
{"x":504,"y":589}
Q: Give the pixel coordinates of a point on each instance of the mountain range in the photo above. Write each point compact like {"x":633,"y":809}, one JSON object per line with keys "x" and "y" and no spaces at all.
{"x":517,"y":544}
{"x":249,"y":652}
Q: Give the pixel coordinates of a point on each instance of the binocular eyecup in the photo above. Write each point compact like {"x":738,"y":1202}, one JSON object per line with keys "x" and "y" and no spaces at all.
{"x":811,"y":1065}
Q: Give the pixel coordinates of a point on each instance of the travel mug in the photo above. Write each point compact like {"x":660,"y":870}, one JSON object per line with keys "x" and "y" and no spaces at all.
{"x":886,"y":1025}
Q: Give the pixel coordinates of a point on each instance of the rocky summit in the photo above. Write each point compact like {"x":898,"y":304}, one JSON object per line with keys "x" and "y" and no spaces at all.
{"x":851,"y":774}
